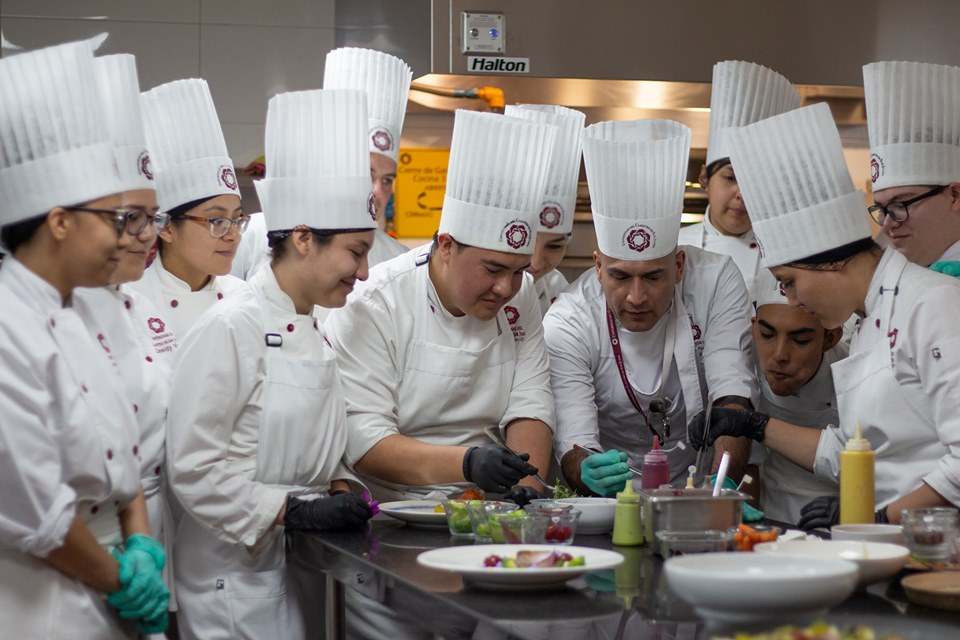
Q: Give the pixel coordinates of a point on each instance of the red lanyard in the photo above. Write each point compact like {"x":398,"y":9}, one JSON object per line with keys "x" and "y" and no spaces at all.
{"x":622,"y":368}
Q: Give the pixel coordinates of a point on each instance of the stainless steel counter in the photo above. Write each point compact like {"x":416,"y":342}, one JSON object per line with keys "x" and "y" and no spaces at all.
{"x":632,"y":601}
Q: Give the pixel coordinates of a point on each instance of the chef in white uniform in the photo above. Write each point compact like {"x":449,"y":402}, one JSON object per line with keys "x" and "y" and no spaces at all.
{"x":258,"y":424}
{"x":913,"y":119}
{"x":555,"y":225}
{"x":652,"y":325}
{"x":447,"y":340}
{"x":197,"y":186}
{"x":794,"y":356}
{"x":900,"y":380}
{"x":72,"y":504}
{"x":742,"y":93}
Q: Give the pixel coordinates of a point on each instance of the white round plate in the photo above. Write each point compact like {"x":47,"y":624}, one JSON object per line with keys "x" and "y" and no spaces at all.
{"x":468,"y":562}
{"x":891,"y":533}
{"x":736,"y":587}
{"x":419,"y":512}
{"x":876,"y":560}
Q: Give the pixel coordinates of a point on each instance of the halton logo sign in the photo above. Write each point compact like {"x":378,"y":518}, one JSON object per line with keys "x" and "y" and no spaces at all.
{"x":497,"y":64}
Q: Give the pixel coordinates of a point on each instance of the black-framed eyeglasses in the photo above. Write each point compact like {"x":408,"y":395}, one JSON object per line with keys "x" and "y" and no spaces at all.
{"x":219,"y":227}
{"x":133,"y":221}
{"x":898,"y":210}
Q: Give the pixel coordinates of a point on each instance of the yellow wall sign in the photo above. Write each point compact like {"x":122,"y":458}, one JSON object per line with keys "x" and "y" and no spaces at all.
{"x":418,"y":192}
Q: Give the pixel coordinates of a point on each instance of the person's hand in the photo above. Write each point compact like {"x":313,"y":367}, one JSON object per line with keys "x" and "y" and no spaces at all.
{"x":493,"y":468}
{"x":522,"y":495}
{"x":143,"y":595}
{"x":728,"y":422}
{"x":605,"y":473}
{"x":154,"y":625}
{"x":948,"y":267}
{"x":342,"y":511}
{"x":822,"y":512}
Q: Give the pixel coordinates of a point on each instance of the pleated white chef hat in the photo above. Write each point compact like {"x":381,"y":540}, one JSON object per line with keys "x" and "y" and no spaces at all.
{"x":560,"y":195}
{"x":495,"y":180}
{"x":794,"y":180}
{"x":120,"y":95}
{"x":54,"y":147}
{"x":188,"y":152}
{"x":318,"y":166}
{"x":636,"y":172}
{"x":744,"y":93}
{"x":386,"y":79}
{"x":913,"y":119}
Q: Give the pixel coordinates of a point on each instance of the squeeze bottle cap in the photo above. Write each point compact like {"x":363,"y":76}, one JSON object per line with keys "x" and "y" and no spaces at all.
{"x":628,"y":495}
{"x":655,"y":454}
{"x":858,"y":442}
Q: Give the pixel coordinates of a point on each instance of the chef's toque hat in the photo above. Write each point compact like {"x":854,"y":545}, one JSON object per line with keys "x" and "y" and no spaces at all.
{"x":768,"y":290}
{"x":54,"y":147}
{"x":120,"y":96}
{"x":794,"y":181}
{"x":188,"y":152}
{"x":560,"y":195}
{"x":318,"y":166}
{"x":636,"y":172}
{"x":495,"y":181}
{"x":744,"y":93}
{"x":386,"y":79}
{"x":913,"y":119}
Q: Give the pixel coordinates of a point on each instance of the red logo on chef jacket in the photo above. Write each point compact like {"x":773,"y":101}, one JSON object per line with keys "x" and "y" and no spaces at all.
{"x":513,"y":317}
{"x":512,"y":313}
{"x":372,"y":206}
{"x":639,"y":238}
{"x":893,"y":337}
{"x":156,"y":325}
{"x":516,"y":234}
{"x":144,"y":166}
{"x":228,"y":178}
{"x":381,"y":139}
{"x":876,"y":167}
{"x":697,"y":336}
{"x":551,"y":215}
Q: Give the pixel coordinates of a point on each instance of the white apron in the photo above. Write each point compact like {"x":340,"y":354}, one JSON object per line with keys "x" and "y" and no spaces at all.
{"x":868,"y":393}
{"x":448,"y":395}
{"x":97,"y":444}
{"x":225,"y":592}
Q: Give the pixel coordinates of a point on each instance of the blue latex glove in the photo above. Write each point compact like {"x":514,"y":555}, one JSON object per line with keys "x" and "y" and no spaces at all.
{"x":948,"y":267}
{"x":750,"y":514}
{"x":143,"y":596}
{"x":605,"y":473}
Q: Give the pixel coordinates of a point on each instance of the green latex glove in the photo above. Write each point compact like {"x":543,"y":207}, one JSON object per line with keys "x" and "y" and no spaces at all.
{"x":605,"y":473}
{"x":159,"y":625}
{"x":750,"y":514}
{"x":143,"y":595}
{"x":948,"y":267}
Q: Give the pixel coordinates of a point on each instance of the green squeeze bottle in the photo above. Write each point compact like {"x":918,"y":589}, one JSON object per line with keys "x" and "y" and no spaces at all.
{"x":627,"y":531}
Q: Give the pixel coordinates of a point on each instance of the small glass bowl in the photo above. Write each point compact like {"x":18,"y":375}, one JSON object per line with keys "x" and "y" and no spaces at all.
{"x":480,"y":513}
{"x":547,"y":503}
{"x":678,"y":543}
{"x":527,"y":529}
{"x":563,"y":522}
{"x":931,"y":533}
{"x":458,"y":518}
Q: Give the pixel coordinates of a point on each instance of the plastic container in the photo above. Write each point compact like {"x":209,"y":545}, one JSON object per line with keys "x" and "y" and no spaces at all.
{"x":458,"y":518}
{"x":678,"y":543}
{"x":931,"y":533}
{"x":562,"y":524}
{"x":656,"y":468}
{"x":529,"y":529}
{"x":480,"y":512}
{"x":627,"y":529}
{"x":857,"y":481}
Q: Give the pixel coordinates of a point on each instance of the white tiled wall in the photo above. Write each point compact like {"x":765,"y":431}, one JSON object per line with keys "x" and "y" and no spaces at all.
{"x":248,"y":50}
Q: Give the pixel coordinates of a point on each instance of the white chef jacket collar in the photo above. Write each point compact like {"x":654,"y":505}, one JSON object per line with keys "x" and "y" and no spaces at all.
{"x":951,"y":254}
{"x":170,"y":281}
{"x":34,"y":290}
{"x":888,"y":261}
{"x":274,"y":295}
{"x":712,"y":230}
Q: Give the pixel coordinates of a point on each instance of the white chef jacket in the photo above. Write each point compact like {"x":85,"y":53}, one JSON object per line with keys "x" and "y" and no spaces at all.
{"x":743,"y":249}
{"x":391,"y":336}
{"x":67,"y":439}
{"x":916,"y":437}
{"x":548,"y":288}
{"x":787,"y":487}
{"x":236,"y":452}
{"x":593,"y":408}
{"x":253,"y":252}
{"x":952,"y":254}
{"x":384,"y":248}
{"x":181,"y":306}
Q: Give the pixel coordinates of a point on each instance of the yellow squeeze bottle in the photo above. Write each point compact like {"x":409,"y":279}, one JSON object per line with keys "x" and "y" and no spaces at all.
{"x":857,"y":481}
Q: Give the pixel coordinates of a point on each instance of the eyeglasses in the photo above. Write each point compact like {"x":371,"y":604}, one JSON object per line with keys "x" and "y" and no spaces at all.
{"x":133,"y":221}
{"x":219,"y":227}
{"x":898,"y":210}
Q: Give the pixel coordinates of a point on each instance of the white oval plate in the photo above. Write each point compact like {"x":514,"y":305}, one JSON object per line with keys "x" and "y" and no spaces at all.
{"x":419,"y":512}
{"x":736,"y":587}
{"x":876,"y":560}
{"x":468,"y":562}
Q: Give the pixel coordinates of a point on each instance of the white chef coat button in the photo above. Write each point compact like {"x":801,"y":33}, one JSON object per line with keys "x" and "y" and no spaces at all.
{"x":290,"y":328}
{"x":136,"y":409}
{"x":149,"y":359}
{"x":83,"y":388}
{"x":156,"y":470}
{"x":315,"y":325}
{"x":94,"y":509}
{"x":174,"y":304}
{"x":219,"y":296}
{"x":53,"y":322}
{"x":136,"y":450}
{"x":126,"y":304}
{"x":878,"y":323}
{"x":109,"y":454}
{"x":753,"y":245}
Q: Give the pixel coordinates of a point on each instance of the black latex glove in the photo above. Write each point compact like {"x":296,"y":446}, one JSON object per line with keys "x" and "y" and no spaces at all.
{"x":522,"y":495}
{"x":822,"y":512}
{"x":342,"y":511}
{"x":493,"y":468}
{"x":728,"y":422}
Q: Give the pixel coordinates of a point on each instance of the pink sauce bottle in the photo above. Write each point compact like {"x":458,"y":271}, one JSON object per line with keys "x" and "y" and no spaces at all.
{"x":656,"y":470}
